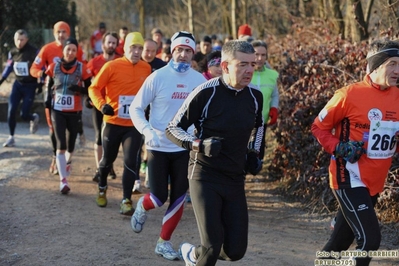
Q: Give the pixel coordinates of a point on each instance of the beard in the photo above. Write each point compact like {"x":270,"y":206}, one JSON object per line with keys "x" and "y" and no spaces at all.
{"x":110,"y":51}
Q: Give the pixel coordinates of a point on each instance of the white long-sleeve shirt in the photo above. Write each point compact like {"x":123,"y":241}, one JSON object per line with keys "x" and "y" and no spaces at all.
{"x":165,"y":91}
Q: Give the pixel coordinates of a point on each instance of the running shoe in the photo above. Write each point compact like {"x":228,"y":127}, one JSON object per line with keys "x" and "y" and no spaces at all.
{"x":10,"y":142}
{"x":102,"y":197}
{"x":64,"y":187}
{"x":165,"y":249}
{"x":126,"y":207}
{"x":138,"y":218}
{"x":137,"y":187}
{"x":34,"y":123}
{"x":143,"y":167}
{"x":112,"y":173}
{"x":96,"y":177}
{"x":53,"y":166}
{"x":82,"y":140}
{"x":186,"y":252}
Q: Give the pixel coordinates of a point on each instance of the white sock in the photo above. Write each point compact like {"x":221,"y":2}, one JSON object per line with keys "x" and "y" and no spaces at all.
{"x":61,"y":165}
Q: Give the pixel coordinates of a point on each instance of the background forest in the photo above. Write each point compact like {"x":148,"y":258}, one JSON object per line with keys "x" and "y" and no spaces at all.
{"x":317,"y":46}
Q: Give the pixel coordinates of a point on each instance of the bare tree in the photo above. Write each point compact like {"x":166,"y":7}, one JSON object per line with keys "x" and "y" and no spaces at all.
{"x":233,"y":18}
{"x":190,"y":15}
{"x":337,"y":18}
{"x":359,"y":29}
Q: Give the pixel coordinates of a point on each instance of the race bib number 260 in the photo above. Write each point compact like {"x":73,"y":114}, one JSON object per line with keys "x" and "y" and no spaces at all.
{"x":63,"y":102}
{"x":381,"y":141}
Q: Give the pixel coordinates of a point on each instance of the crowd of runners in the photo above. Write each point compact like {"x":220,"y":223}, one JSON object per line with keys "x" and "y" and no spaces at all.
{"x":192,"y":115}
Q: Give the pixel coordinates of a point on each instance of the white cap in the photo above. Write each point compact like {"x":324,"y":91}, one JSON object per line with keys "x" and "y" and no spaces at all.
{"x":182,"y":38}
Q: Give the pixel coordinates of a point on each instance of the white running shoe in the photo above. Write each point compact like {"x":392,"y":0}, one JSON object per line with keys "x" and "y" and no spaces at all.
{"x":137,"y":187}
{"x":34,"y":124}
{"x":64,"y":187}
{"x":186,"y":253}
{"x":10,"y":142}
{"x":166,"y":250}
{"x":139,"y":216}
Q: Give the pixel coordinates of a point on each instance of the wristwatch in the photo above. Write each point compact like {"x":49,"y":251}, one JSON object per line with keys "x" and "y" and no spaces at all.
{"x":196,"y":145}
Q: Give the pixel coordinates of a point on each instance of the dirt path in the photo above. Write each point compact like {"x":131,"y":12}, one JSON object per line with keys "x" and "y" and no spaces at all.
{"x":39,"y":226}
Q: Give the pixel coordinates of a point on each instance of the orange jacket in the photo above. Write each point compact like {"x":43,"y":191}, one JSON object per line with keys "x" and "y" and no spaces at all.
{"x":121,"y":81}
{"x":50,"y":53}
{"x":348,"y":116}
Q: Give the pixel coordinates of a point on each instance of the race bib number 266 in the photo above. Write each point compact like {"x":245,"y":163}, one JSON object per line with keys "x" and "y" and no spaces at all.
{"x":381,"y":141}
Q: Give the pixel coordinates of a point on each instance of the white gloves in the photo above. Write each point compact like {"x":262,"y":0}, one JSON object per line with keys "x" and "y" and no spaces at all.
{"x":150,"y":137}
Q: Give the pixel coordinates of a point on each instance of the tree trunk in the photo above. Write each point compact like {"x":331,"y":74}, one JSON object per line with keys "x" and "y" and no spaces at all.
{"x":226,"y":24}
{"x":140,"y":4}
{"x":244,"y":11}
{"x":190,"y":17}
{"x":359,"y":27}
{"x":293,"y":7}
{"x":233,"y":18}
{"x":391,"y":6}
{"x":338,"y":19}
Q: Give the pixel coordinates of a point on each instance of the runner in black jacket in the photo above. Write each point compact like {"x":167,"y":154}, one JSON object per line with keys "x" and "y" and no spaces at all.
{"x":227,"y":115}
{"x":20,"y":59}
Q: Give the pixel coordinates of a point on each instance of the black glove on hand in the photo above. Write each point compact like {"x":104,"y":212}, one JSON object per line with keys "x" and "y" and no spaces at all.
{"x":209,"y":146}
{"x":350,"y":151}
{"x":39,"y":88}
{"x":88,"y":103}
{"x":254,"y":164}
{"x":75,"y":88}
{"x":212,"y":146}
{"x":107,"y":110}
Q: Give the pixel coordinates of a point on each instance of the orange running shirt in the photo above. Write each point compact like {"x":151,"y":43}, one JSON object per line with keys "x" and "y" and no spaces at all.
{"x":121,"y":81}
{"x":357,"y":113}
{"x":50,"y":53}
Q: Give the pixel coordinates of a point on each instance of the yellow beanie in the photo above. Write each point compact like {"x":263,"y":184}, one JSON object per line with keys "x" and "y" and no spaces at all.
{"x":133,"y":38}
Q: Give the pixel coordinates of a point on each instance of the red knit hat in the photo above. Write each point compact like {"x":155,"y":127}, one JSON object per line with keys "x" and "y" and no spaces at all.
{"x":244,"y":30}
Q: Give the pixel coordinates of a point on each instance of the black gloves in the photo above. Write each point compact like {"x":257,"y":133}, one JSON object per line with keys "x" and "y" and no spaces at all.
{"x":39,"y":88}
{"x":2,"y":80}
{"x":350,"y":151}
{"x":107,"y":109}
{"x":75,"y":88}
{"x":209,"y":146}
{"x":88,"y":103}
{"x":254,"y":164}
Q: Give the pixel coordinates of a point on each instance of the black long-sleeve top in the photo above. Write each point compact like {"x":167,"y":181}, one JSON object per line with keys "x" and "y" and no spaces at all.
{"x":216,"y":110}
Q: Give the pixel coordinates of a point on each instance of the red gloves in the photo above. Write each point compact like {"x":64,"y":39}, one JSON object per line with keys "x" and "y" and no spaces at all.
{"x":273,"y":114}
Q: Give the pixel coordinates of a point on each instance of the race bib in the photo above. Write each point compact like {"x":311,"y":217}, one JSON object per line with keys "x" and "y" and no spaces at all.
{"x":21,"y":69}
{"x":123,"y":106}
{"x":381,"y":141}
{"x":63,"y":102}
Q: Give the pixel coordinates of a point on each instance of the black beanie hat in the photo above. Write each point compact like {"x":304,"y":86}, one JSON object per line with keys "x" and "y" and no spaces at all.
{"x":71,"y":40}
